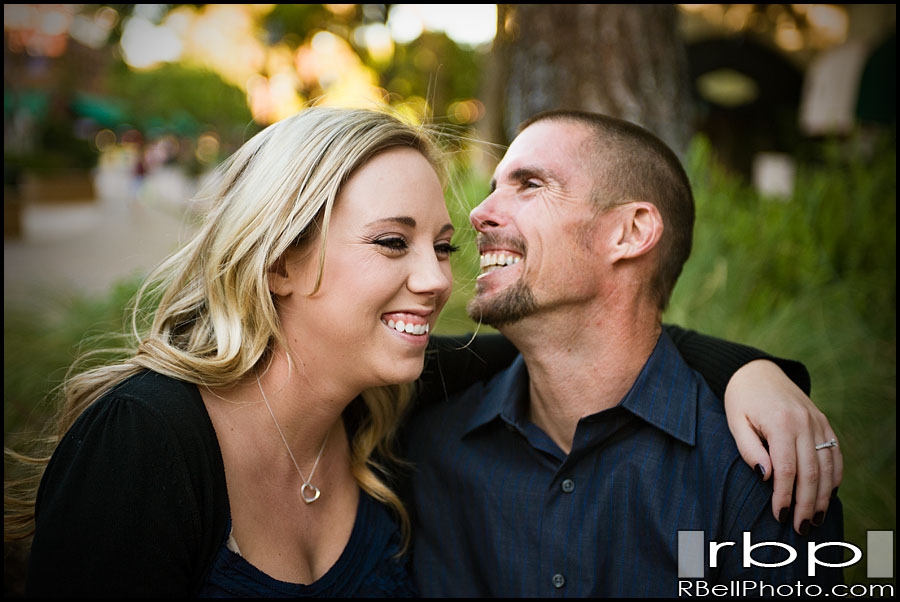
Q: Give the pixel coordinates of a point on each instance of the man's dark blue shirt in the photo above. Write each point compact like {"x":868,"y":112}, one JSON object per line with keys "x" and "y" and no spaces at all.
{"x":500,"y":510}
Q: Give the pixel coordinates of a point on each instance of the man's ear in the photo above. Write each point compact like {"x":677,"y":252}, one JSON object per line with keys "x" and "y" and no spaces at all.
{"x":638,"y":230}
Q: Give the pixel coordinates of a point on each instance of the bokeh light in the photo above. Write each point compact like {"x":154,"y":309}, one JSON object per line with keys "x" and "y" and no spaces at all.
{"x":105,"y":139}
{"x":145,"y":45}
{"x":469,"y":24}
{"x":207,"y":148}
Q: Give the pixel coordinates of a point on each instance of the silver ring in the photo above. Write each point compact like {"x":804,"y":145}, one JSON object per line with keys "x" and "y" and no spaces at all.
{"x":831,"y":443}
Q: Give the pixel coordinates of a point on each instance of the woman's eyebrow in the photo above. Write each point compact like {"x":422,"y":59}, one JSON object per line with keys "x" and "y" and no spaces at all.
{"x":408,"y":221}
{"x":400,"y":219}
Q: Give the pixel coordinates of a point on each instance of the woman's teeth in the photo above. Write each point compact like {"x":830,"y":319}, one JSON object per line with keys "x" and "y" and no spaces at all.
{"x":401,"y":326}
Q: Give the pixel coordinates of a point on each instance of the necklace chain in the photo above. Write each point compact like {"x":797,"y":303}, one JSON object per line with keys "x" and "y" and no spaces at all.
{"x":308,"y":491}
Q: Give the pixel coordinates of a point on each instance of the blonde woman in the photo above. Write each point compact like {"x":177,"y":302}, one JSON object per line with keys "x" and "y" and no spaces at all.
{"x":244,"y":448}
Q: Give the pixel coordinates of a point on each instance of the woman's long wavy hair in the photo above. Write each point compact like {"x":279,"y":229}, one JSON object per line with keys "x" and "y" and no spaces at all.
{"x":216,"y":320}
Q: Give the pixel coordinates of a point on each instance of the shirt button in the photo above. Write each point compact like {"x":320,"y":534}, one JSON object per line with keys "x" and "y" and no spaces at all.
{"x":568,"y":486}
{"x":558,"y":580}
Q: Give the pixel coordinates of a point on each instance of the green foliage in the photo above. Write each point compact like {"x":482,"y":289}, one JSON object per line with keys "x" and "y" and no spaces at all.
{"x":464,"y":192}
{"x":432,"y":66}
{"x":42,"y":340}
{"x":811,"y":278}
{"x":183,"y":100}
{"x":839,"y":229}
{"x":292,"y":23}
{"x":56,"y":147}
{"x":436,"y":68}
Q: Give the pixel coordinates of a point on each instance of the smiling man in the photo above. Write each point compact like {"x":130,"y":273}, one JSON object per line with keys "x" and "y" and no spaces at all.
{"x":572,"y":472}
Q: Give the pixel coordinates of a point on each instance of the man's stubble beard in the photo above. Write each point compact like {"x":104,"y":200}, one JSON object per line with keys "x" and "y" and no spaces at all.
{"x":511,"y":305}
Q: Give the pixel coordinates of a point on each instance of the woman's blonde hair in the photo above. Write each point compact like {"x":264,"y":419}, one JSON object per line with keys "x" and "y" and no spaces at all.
{"x":216,"y":320}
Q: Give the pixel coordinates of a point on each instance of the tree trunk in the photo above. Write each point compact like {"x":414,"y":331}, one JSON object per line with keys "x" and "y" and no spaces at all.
{"x":627,"y":61}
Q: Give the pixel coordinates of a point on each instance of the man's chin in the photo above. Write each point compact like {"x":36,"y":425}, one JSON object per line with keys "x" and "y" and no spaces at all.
{"x":503,"y":308}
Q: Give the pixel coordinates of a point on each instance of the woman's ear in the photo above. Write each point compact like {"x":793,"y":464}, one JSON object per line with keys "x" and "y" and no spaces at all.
{"x":279,"y":280}
{"x":638,"y":230}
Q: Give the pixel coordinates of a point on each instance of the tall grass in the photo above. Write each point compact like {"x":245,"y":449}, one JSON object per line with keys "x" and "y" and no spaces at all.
{"x":812,"y":278}
{"x":41,"y":340}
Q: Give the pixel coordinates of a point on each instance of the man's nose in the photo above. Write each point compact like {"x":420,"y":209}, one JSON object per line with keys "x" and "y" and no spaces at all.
{"x":488,"y":214}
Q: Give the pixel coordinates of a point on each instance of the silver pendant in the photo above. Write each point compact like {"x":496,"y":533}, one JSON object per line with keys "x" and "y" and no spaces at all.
{"x":309,"y":498}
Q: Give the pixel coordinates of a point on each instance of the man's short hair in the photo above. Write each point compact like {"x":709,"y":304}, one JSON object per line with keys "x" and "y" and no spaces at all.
{"x":631,"y":164}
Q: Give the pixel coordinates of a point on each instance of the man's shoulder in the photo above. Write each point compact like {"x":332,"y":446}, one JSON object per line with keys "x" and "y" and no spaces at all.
{"x":710,"y":408}
{"x":713,"y":451}
{"x":742,"y":496}
{"x":714,"y":443}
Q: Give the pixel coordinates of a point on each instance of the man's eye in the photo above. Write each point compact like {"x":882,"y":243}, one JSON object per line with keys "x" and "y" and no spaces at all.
{"x":392,"y":243}
{"x":530,"y":184}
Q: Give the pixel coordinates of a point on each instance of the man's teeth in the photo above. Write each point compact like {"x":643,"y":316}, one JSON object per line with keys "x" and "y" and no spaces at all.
{"x":401,"y":326}
{"x":498,"y":259}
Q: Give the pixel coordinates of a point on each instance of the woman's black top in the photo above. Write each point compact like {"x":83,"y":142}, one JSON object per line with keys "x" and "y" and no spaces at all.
{"x":134,"y":500}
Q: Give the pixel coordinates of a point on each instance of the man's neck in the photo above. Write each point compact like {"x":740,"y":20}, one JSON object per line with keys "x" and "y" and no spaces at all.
{"x":579,"y":365}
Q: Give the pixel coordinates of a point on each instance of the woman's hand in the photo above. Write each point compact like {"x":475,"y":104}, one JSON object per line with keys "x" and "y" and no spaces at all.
{"x":765,"y":408}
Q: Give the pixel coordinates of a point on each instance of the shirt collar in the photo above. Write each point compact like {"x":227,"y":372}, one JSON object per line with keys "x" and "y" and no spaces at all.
{"x":505,"y":395}
{"x":664,"y":394}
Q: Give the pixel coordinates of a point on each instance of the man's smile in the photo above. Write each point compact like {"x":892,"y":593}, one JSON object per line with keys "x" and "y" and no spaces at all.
{"x":495,"y":259}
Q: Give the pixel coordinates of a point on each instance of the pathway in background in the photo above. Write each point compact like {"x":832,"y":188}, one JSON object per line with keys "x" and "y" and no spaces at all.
{"x":83,"y":247}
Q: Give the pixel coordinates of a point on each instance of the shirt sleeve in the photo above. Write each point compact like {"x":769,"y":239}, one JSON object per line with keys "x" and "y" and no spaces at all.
{"x":759,"y":539}
{"x":117,"y":513}
{"x":717,"y":360}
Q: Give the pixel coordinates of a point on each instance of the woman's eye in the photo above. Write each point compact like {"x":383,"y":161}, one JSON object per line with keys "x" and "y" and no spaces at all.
{"x":392,"y":243}
{"x":445,"y":249}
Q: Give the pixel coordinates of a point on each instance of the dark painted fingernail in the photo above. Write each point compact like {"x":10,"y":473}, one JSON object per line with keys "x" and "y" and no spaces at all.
{"x":834,"y":492}
{"x":804,"y":527}
{"x":783,"y":515}
{"x":818,"y":518}
{"x":760,"y":471}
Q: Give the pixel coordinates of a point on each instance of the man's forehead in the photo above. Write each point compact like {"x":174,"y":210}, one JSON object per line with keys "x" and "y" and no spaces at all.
{"x":549,"y":147}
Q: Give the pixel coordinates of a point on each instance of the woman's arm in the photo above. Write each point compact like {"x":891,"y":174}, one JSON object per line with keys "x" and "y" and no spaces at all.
{"x":453,"y":364}
{"x":126,"y":505}
{"x":774,"y":423}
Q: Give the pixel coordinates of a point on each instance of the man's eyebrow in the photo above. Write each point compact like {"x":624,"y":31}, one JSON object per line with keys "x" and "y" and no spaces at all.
{"x":523,"y":173}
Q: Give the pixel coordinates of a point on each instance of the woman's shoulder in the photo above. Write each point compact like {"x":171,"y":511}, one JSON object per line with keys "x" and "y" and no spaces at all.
{"x":138,"y":481}
{"x":155,"y":400}
{"x":157,"y":391}
{"x":148,"y":419}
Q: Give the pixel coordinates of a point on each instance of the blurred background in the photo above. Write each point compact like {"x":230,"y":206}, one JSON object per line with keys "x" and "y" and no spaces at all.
{"x":784,"y":116}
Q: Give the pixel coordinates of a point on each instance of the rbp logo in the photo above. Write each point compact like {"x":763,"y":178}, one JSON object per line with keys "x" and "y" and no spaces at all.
{"x":691,"y":557}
